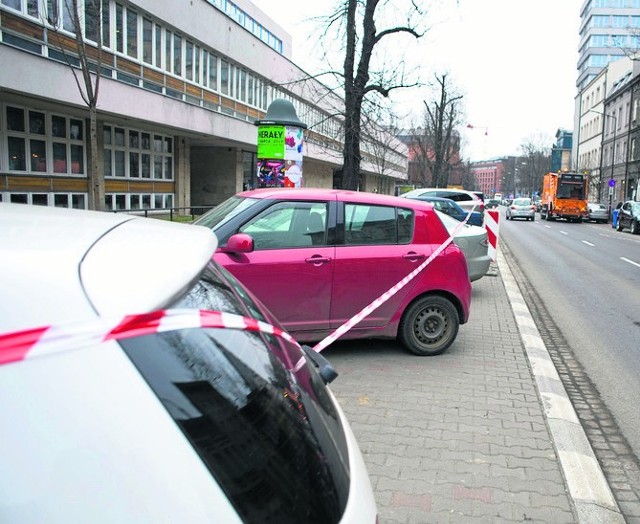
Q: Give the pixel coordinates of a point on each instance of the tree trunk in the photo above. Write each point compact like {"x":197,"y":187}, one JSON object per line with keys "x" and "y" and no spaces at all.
{"x":95,"y":178}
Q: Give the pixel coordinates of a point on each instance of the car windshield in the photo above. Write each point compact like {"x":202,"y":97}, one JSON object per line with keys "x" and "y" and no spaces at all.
{"x":225,"y":211}
{"x":522,"y":202}
{"x":636,"y":207}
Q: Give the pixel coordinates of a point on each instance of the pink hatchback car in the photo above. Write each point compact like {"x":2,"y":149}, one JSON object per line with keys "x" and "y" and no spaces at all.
{"x":316,"y":257}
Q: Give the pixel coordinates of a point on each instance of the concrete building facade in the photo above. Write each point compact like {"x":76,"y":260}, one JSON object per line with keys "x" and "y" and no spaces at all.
{"x":182,"y":85}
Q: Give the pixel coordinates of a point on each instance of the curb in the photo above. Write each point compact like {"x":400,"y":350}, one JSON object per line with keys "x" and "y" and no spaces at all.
{"x":588,"y":488}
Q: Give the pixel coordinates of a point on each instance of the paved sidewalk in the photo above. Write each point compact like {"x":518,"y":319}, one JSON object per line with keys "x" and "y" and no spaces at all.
{"x":463,"y":437}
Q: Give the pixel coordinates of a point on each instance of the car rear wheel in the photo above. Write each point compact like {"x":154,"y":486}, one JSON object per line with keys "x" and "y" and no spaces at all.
{"x":429,"y":326}
{"x":619,"y":226}
{"x":634,"y":227}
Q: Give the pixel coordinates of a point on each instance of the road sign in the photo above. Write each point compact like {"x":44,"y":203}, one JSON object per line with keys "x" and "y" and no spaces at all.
{"x":612,"y":182}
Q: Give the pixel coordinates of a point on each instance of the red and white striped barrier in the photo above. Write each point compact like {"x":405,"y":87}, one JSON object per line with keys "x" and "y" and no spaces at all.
{"x":25,"y":344}
{"x":492,"y":225}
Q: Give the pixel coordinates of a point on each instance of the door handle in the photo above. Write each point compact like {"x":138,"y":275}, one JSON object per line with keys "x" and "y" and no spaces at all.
{"x":317,"y":260}
{"x":413,"y":256}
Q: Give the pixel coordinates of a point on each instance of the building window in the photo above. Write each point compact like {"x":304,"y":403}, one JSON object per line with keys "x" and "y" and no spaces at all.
{"x":132,"y":153}
{"x":52,"y":144}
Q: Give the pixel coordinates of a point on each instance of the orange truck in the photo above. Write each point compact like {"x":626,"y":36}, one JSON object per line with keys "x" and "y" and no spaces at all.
{"x":564,"y":195}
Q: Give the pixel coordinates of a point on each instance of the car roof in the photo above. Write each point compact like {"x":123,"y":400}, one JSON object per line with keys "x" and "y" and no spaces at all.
{"x":66,"y":264}
{"x":338,"y":194}
{"x":423,"y":190}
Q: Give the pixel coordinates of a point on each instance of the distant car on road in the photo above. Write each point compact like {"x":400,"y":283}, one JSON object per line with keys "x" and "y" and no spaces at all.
{"x":491,"y":203}
{"x":317,"y":257}
{"x":451,"y":208}
{"x":521,"y":208}
{"x":597,"y":213}
{"x":141,"y":382}
{"x":629,"y":216}
{"x":474,"y":243}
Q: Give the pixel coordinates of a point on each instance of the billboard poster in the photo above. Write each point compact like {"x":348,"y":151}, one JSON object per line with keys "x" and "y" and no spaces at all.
{"x":293,"y":143}
{"x":271,"y":141}
{"x":279,"y":173}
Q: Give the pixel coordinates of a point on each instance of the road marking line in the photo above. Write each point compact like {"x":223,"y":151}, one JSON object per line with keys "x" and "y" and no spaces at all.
{"x":588,"y":243}
{"x":564,"y":232}
{"x":630,"y":261}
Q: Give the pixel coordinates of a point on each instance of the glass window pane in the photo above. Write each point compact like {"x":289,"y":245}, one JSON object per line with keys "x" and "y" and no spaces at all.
{"x":36,"y":123}
{"x":17,"y":160}
{"x":15,"y":119}
{"x":188,"y":61}
{"x":132,"y":34}
{"x":38,"y":155}
{"x":15,"y":4}
{"x":59,"y":158}
{"x":147,"y":40}
{"x":106,"y":23}
{"x":134,"y":139}
{"x":167,"y":145}
{"x":19,"y":198}
{"x":213,"y":72}
{"x":40,"y":199}
{"x":121,"y":201}
{"x":119,"y":163}
{"x":32,"y":7}
{"x":107,"y":163}
{"x":106,"y":134}
{"x":119,"y":136}
{"x":146,"y":165}
{"x":134,"y":165}
{"x":146,"y":141}
{"x":91,"y":20}
{"x":135,"y":201}
{"x":177,"y":55}
{"x":61,"y":200}
{"x":119,"y":28}
{"x":78,"y":202}
{"x":157,"y":166}
{"x":157,"y":143}
{"x":167,"y":50}
{"x":168,"y":168}
{"x":59,"y":126}
{"x":146,"y":201}
{"x":75,"y":127}
{"x":158,"y":39}
{"x":77,"y":159}
{"x":158,"y":201}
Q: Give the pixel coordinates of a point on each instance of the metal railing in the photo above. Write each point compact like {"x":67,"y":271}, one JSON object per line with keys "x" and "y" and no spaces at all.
{"x":173,"y":214}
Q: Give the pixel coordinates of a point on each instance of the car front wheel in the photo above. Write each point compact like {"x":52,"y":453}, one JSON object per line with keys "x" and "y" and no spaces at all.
{"x":429,"y":326}
{"x":619,"y":226}
{"x":634,"y":227}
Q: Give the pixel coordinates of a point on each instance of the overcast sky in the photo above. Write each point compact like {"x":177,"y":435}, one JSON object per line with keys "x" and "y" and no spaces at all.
{"x":515,"y":61}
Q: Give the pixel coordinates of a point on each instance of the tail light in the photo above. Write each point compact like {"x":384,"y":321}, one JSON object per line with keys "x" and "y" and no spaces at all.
{"x":533,"y":208}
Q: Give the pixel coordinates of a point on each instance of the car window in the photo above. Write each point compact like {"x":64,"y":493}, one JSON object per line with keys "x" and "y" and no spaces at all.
{"x":225,"y":211}
{"x":522,"y":202}
{"x":369,"y":225}
{"x":288,"y":224}
{"x":460,"y":197}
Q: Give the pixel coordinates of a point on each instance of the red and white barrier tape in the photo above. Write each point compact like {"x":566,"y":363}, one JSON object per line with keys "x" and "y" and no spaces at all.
{"x":47,"y":340}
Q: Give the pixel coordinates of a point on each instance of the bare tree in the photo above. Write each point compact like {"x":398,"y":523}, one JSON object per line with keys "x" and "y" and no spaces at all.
{"x":86,"y":21}
{"x":363,"y":73}
{"x":534,"y":162}
{"x":435,"y":144}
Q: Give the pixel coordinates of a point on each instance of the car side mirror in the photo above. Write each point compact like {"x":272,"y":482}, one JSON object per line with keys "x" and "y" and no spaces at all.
{"x":238,"y":243}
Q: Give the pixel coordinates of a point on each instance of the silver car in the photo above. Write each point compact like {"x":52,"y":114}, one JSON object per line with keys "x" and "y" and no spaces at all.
{"x":521,"y":208}
{"x":141,"y":382}
{"x":597,"y":213}
{"x":473,"y":242}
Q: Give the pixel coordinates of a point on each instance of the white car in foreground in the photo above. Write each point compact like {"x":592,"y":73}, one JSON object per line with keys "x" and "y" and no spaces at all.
{"x":142,"y":383}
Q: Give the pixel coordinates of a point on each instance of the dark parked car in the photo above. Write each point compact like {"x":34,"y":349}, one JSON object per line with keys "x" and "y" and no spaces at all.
{"x":317,"y":257}
{"x":491,"y":203}
{"x":629,"y":216}
{"x":451,"y":208}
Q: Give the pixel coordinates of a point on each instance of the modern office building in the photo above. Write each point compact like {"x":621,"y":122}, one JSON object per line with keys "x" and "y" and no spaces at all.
{"x":609,"y":30}
{"x":182,"y":85}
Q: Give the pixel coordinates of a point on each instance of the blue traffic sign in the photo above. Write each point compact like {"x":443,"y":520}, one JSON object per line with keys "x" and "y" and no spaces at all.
{"x":612,"y":183}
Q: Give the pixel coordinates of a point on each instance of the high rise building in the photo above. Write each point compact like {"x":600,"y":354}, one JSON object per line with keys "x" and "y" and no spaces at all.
{"x":609,"y":29}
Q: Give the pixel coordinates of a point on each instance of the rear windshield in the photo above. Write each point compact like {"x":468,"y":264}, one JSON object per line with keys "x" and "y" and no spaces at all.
{"x":271,"y":437}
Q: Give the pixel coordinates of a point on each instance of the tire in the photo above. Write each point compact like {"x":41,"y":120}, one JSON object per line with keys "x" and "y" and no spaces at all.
{"x":429,"y":326}
{"x":619,"y":226}
{"x":634,"y":227}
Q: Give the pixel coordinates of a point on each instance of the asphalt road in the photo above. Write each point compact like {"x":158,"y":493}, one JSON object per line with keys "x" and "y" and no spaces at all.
{"x":589,"y":278}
